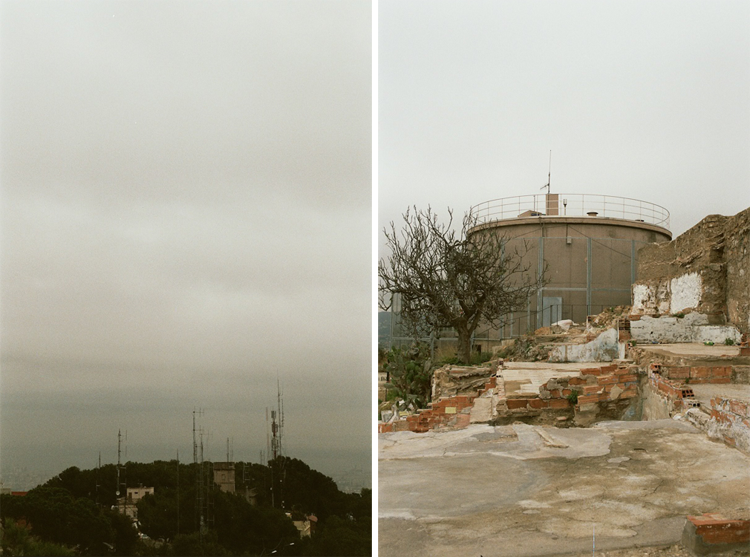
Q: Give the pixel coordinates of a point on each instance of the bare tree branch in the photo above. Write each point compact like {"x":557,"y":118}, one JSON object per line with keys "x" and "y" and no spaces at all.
{"x":443,"y":279}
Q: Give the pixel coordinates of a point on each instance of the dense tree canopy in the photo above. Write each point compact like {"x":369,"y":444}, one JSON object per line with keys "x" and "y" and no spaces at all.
{"x":73,"y":513}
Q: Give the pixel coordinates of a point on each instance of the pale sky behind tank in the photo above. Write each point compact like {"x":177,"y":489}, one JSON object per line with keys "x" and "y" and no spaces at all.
{"x":640,"y":99}
{"x":186,"y":216}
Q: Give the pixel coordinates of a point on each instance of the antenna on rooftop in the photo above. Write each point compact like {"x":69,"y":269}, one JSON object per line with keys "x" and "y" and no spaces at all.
{"x":549,"y":174}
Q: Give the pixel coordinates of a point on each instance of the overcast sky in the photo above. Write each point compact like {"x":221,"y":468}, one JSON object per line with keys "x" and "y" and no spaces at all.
{"x":186,"y":211}
{"x":641,"y":99}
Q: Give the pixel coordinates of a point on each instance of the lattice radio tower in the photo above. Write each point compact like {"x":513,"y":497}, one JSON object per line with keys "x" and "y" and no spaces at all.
{"x":274,"y":447}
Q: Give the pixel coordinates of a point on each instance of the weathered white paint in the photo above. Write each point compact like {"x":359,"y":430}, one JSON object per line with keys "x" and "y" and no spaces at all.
{"x":693,"y":327}
{"x":685,"y":292}
{"x":652,"y":298}
{"x":735,"y":428}
{"x":603,"y":348}
{"x":717,"y":334}
{"x":643,"y":298}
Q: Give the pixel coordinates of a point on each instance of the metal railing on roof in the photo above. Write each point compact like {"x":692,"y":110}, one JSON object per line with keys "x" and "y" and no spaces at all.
{"x":571,"y":205}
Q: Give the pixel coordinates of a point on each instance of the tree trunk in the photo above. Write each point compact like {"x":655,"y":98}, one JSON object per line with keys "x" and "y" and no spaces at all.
{"x":464,"y":345}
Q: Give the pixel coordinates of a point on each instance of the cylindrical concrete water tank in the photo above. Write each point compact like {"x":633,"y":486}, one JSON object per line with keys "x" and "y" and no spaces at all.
{"x":589,"y":244}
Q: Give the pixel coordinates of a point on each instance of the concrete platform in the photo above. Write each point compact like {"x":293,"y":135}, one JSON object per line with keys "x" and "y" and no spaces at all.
{"x":514,"y":491}
{"x":704,"y":393}
{"x":525,"y":378}
{"x":694,"y":350}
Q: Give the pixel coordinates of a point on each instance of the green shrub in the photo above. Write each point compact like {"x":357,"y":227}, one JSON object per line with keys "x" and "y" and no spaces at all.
{"x":573,"y":397}
{"x":729,"y":341}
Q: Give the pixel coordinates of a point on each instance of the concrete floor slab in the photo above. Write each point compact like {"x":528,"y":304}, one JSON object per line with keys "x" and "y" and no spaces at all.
{"x":694,"y":349}
{"x":526,"y":380}
{"x":704,"y":393}
{"x":507,"y":491}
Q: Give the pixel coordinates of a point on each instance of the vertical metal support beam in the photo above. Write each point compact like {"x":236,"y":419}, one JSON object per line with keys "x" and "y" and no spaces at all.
{"x":588,"y":276}
{"x":528,"y":313}
{"x":502,"y":262}
{"x":632,"y":269}
{"x":540,"y":292}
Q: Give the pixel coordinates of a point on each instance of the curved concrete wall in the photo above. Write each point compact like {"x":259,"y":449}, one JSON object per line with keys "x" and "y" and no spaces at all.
{"x":591,"y":264}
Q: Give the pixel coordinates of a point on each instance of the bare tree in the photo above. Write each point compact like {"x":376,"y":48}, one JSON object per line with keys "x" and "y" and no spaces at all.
{"x":445,"y":279}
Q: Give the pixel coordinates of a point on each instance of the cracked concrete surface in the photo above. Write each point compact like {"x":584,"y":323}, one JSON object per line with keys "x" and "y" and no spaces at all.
{"x":520,"y":491}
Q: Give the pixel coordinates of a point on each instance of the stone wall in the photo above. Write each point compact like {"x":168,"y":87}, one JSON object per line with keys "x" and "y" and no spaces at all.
{"x":730,"y":422}
{"x":706,"y":269}
{"x":737,"y":254}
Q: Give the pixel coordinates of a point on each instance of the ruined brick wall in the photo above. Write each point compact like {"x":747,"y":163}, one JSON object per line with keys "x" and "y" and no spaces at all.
{"x":706,"y":269}
{"x":737,"y":255}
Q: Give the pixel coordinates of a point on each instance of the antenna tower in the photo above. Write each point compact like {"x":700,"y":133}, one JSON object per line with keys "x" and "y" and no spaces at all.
{"x":119,"y":466}
{"x":549,"y":174}
{"x":277,"y":433}
{"x":178,"y":492}
{"x":198,"y":466}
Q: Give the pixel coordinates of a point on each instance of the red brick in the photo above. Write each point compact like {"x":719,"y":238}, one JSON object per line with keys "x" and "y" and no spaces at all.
{"x":538,"y":403}
{"x":738,"y":407}
{"x":702,"y":380}
{"x":727,"y":536}
{"x":560,"y":403}
{"x":719,"y":380}
{"x":590,"y":389}
{"x":591,"y":371}
{"x":706,"y":518}
{"x":385,"y":428}
{"x":576,"y":381}
{"x":678,"y":372}
{"x":722,"y":371}
{"x":629,"y":393}
{"x":516,"y":403}
{"x":622,"y":370}
{"x":625,"y":378}
{"x":609,"y":368}
{"x":607,"y":379}
{"x":700,"y":372}
{"x":586,"y":399}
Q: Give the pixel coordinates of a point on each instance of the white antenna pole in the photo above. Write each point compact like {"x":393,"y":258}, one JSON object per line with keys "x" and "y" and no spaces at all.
{"x":549,"y":174}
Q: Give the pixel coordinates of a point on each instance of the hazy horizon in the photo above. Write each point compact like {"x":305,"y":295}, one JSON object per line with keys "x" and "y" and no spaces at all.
{"x":186,"y":219}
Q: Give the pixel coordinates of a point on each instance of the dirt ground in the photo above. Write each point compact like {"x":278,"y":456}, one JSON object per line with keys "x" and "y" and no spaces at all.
{"x":523,"y":491}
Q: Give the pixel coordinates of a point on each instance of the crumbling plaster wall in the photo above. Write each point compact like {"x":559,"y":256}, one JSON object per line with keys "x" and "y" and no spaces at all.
{"x":604,"y":348}
{"x":694,"y":327}
{"x":706,"y":269}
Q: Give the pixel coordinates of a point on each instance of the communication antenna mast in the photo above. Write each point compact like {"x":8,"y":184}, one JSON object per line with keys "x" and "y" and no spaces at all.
{"x":268,"y":438}
{"x":178,"y":492}
{"x":198,"y":467}
{"x":98,"y":471}
{"x":199,"y":412}
{"x":549,"y":174}
{"x":119,"y":465}
{"x":278,"y":433}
